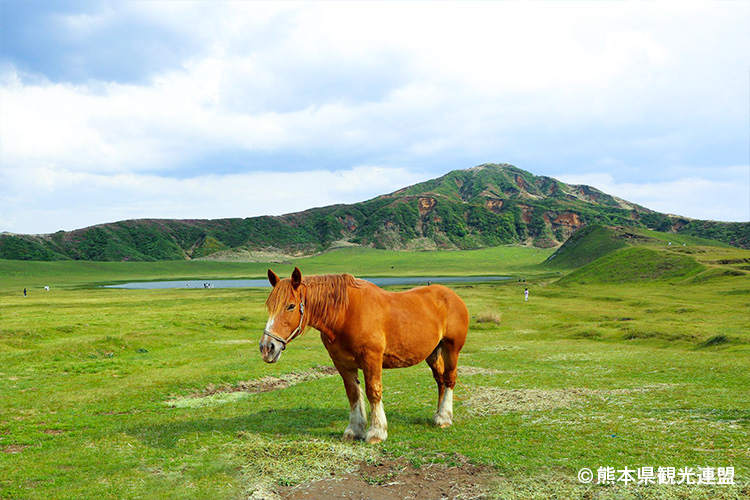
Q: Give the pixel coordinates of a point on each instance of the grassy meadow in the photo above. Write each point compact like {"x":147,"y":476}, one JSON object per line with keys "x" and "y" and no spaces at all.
{"x":109,"y":393}
{"x":497,"y":261}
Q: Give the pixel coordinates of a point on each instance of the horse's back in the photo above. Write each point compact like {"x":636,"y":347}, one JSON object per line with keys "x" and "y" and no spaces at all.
{"x":438,"y":302}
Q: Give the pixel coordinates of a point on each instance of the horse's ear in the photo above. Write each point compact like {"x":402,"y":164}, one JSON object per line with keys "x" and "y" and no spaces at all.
{"x":272,"y":278}
{"x":296,"y":278}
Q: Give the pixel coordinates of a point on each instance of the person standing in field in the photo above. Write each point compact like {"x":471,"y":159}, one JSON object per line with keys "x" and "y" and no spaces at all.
{"x":24,"y":292}
{"x":526,"y":295}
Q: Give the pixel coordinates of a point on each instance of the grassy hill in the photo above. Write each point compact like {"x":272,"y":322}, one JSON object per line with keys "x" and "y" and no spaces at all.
{"x":635,"y":264}
{"x":480,"y":207}
{"x":595,"y":241}
{"x":586,"y":245}
{"x":599,"y":254}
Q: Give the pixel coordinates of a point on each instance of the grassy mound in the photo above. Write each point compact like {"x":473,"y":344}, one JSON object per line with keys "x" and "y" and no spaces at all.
{"x":593,"y":242}
{"x":606,"y":254}
{"x":635,"y":264}
{"x":585,"y":246}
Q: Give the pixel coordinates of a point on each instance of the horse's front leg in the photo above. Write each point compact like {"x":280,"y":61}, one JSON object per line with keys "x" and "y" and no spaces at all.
{"x":357,"y":413}
{"x":372,"y":370}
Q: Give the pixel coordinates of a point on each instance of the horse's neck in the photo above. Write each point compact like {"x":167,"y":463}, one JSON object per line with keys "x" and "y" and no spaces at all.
{"x":327,"y":332}
{"x":322,"y":326}
{"x":320,"y":316}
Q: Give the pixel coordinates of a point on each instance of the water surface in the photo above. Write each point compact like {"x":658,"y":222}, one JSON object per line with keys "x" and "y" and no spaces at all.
{"x":257,"y":283}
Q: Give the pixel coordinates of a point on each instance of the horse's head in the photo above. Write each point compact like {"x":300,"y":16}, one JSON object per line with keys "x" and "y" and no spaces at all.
{"x":286,"y":312}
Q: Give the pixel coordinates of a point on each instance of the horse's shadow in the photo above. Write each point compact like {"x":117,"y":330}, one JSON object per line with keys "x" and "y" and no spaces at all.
{"x":293,"y":423}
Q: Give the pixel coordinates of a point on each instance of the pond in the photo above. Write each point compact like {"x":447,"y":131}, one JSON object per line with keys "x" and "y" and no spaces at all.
{"x":255,"y":283}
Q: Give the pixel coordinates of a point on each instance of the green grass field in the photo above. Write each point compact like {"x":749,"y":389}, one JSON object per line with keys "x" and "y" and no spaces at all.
{"x":131,"y":394}
{"x":497,"y":261}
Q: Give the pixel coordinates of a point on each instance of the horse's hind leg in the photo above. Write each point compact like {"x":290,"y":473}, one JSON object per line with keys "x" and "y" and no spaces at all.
{"x":449,"y":355}
{"x":357,"y":413}
{"x":435,"y":361}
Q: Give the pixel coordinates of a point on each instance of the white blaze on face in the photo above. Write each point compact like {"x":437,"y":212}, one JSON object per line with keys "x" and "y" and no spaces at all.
{"x":269,"y":324}
{"x":270,"y":347}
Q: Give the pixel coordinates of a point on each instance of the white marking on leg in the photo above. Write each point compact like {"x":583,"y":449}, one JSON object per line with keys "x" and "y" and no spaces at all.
{"x":444,"y":415}
{"x":357,"y":419}
{"x":378,"y":431}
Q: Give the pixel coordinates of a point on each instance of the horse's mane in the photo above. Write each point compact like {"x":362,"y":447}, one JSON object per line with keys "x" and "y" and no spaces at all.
{"x":326,"y":297}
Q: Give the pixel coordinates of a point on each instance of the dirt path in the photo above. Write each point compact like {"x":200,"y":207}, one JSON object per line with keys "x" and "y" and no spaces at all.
{"x":397,"y":480}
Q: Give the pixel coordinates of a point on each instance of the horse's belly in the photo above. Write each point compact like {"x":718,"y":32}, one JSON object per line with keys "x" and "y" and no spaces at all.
{"x":400,"y":362}
{"x":401,"y":356}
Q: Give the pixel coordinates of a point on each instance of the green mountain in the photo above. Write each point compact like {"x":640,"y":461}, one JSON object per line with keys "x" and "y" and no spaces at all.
{"x":483,"y":206}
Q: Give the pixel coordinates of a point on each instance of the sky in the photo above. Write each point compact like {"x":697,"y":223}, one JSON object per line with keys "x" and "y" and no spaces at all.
{"x":115,"y":110}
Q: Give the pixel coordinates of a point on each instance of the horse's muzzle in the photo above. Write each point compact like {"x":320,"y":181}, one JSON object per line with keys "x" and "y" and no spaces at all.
{"x":270,"y":349}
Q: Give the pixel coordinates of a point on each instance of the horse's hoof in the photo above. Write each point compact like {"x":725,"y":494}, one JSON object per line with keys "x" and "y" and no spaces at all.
{"x":442,"y":422}
{"x":375,"y":436}
{"x":351,"y":436}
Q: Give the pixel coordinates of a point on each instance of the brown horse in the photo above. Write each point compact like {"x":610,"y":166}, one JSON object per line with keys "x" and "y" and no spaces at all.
{"x":366,"y":328}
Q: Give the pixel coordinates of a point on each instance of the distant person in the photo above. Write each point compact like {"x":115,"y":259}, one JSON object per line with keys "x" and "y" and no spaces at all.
{"x":24,"y":292}
{"x":526,"y":295}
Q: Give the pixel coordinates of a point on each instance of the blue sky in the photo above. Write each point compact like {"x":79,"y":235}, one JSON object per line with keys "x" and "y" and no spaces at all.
{"x":176,"y":109}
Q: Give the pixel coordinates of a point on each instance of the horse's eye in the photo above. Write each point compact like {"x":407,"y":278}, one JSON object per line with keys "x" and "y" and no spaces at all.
{"x":290,"y":307}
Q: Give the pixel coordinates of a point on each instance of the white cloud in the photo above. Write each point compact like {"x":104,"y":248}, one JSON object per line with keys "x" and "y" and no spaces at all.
{"x":33,"y":196}
{"x":428,"y":85}
{"x":725,"y":197}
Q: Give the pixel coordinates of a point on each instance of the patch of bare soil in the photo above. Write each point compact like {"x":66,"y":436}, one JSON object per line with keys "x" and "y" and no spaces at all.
{"x":223,"y":393}
{"x":54,"y":432}
{"x":13,"y":448}
{"x":398,"y":480}
{"x":269,"y":383}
